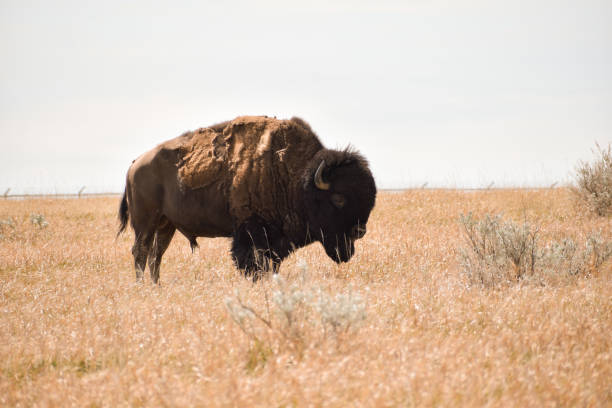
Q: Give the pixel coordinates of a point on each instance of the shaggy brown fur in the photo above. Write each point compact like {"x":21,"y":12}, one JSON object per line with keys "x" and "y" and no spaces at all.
{"x":254,"y":156}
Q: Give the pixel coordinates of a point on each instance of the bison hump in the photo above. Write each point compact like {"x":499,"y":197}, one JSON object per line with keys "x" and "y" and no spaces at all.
{"x":258,"y":158}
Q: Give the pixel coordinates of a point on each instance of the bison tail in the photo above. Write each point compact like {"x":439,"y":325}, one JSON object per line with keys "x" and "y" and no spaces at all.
{"x":123,"y":213}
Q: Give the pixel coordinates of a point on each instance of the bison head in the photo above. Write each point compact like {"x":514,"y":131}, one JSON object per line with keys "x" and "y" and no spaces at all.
{"x":339,"y":195}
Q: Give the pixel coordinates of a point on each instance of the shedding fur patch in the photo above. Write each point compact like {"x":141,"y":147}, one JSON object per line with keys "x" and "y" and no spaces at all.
{"x":254,"y":159}
{"x":204,"y":158}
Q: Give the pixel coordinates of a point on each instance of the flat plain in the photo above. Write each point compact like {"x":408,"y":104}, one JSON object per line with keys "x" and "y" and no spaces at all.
{"x":399,"y":325}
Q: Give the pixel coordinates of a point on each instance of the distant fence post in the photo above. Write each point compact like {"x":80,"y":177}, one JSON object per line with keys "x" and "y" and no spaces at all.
{"x":81,"y":191}
{"x":6,"y":193}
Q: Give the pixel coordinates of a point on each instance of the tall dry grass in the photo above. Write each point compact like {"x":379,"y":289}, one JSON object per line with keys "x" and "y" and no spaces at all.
{"x":77,"y":330}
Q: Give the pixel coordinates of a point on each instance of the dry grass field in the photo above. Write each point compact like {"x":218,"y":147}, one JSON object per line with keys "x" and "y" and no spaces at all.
{"x":399,"y":325}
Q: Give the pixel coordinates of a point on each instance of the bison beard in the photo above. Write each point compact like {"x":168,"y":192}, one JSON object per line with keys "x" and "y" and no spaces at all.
{"x":268,"y":184}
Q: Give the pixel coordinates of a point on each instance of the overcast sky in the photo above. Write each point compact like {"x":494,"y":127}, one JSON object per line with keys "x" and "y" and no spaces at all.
{"x":452,"y":93}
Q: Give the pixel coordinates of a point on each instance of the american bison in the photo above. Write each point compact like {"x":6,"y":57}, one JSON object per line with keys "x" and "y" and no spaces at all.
{"x":268,"y":184}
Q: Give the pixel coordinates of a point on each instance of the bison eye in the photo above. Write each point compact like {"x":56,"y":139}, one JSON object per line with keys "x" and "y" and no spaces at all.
{"x":338,"y":200}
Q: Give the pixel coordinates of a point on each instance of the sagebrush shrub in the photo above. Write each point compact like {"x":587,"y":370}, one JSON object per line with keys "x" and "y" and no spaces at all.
{"x":39,"y":220}
{"x":341,"y":311}
{"x":594,"y":182}
{"x":7,"y":227}
{"x":298,"y":311}
{"x":497,"y":250}
{"x":501,"y":251}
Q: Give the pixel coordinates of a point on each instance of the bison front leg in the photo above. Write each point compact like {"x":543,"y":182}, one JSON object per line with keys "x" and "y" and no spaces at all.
{"x":257,"y":247}
{"x":254,"y":260}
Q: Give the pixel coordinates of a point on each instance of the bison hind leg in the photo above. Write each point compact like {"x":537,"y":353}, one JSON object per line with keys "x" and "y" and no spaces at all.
{"x":140,"y":251}
{"x":163,"y":236}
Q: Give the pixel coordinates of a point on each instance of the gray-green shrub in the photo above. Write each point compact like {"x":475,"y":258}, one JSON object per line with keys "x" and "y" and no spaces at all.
{"x":594,"y":182}
{"x":39,"y":220}
{"x":7,"y":227}
{"x":500,"y":251}
{"x":297,"y":310}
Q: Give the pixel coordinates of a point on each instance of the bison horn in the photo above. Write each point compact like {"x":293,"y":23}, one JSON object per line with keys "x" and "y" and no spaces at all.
{"x":318,"y":178}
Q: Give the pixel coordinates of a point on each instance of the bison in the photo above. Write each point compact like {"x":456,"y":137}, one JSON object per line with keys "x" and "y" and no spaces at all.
{"x":269,"y":184}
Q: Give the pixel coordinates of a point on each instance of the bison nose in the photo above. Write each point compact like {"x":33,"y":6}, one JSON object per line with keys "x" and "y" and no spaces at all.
{"x":358,"y":231}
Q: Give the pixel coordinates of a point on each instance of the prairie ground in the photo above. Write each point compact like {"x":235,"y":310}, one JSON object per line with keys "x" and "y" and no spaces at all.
{"x":399,"y":325}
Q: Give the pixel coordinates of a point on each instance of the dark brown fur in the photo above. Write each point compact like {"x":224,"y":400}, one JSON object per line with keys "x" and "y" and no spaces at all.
{"x":251,"y":179}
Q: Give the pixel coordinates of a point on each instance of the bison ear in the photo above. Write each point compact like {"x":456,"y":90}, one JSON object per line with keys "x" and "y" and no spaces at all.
{"x":318,"y":177}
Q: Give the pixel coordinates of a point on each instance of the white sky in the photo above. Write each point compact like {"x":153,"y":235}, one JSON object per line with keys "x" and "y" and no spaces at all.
{"x":452,"y":93}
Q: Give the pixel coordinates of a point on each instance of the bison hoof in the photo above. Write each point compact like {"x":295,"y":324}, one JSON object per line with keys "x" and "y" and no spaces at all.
{"x":254,"y":273}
